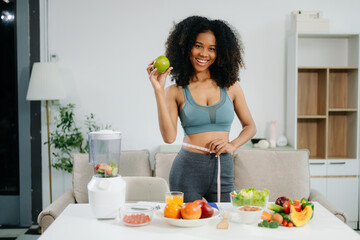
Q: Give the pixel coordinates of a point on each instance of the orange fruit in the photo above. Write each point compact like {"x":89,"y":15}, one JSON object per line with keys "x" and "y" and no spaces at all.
{"x":172,"y":210}
{"x":191,"y":210}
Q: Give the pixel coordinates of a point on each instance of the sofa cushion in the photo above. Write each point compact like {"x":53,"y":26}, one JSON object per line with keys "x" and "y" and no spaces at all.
{"x":132,"y":163}
{"x":82,"y":174}
{"x":135,"y":163}
{"x":149,"y":189}
{"x":163,"y":163}
{"x":282,"y":172}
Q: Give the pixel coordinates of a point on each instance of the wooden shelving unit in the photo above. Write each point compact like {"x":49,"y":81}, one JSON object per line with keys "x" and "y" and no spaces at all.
{"x":322,"y":113}
{"x":327,"y":110}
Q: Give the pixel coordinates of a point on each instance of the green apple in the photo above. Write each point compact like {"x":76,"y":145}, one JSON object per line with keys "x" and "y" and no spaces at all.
{"x":162,"y":63}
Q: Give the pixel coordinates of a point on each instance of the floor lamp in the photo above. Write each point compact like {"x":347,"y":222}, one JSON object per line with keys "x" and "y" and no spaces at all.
{"x":45,"y":84}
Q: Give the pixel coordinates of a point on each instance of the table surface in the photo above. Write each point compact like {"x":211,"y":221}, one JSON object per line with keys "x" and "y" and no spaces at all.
{"x":77,"y":222}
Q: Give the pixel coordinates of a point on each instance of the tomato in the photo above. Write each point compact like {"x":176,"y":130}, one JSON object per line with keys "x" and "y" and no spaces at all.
{"x":297,"y":206}
{"x":172,"y":210}
{"x":290,"y":224}
{"x":285,"y":223}
{"x":191,"y":210}
{"x":286,"y":206}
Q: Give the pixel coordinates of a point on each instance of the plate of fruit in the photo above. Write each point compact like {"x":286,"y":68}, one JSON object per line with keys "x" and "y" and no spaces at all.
{"x":192,"y":214}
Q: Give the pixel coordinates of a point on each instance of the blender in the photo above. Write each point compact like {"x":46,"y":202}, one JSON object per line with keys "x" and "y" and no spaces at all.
{"x":107,"y":188}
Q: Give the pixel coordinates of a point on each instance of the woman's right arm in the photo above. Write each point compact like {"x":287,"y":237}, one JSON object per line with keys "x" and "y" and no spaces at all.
{"x":166,"y":103}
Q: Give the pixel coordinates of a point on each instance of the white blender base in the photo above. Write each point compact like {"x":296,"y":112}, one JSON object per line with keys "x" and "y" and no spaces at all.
{"x":106,"y":196}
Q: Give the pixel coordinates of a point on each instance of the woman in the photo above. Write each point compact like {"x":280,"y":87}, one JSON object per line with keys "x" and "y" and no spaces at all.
{"x":205,"y":57}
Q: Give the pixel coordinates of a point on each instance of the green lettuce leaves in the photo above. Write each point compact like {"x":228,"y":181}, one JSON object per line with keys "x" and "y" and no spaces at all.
{"x":251,"y":197}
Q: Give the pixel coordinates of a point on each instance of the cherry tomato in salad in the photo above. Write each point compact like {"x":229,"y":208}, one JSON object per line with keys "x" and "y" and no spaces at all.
{"x":290,"y":224}
{"x":285,"y":223}
{"x":297,"y":206}
{"x":286,"y":206}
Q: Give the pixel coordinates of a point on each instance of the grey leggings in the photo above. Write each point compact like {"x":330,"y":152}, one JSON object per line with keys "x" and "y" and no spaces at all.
{"x":195,"y":174}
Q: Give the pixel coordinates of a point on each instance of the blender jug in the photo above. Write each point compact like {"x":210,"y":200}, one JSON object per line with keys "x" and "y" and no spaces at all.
{"x":104,"y":152}
{"x":107,"y":189}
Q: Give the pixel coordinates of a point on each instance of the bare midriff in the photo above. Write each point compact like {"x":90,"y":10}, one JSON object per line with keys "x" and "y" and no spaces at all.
{"x":204,"y":139}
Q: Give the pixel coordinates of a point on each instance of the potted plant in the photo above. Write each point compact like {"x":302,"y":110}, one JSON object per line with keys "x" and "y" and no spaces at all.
{"x":67,"y":138}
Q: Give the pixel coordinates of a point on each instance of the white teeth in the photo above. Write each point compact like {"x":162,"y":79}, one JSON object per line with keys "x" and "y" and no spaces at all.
{"x":202,"y":61}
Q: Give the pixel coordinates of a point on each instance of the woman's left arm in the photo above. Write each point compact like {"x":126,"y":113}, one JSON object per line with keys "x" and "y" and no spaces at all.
{"x":243,"y":113}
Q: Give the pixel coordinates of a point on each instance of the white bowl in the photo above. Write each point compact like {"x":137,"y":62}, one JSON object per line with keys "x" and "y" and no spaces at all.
{"x":187,"y":222}
{"x":250,"y":217}
{"x":136,"y":215}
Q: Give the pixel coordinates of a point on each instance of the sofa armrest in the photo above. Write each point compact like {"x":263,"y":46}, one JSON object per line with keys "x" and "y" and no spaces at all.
{"x":49,"y":214}
{"x":316,"y":196}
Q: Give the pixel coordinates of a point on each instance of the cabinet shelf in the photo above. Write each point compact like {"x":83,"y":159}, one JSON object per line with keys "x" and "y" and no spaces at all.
{"x":343,"y":88}
{"x":311,"y":135}
{"x":312,"y":117}
{"x":312,"y":91}
{"x":322,"y":67}
{"x":342,"y":134}
{"x":342,"y":110}
{"x":339,"y":157}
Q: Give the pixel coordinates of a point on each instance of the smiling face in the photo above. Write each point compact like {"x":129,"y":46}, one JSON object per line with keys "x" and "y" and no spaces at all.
{"x":203,"y":53}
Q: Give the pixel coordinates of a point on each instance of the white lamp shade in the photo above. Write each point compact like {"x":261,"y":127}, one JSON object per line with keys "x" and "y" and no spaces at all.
{"x":45,"y":82}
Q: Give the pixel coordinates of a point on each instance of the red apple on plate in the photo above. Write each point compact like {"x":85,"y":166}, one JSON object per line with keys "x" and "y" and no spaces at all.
{"x":206,"y":210}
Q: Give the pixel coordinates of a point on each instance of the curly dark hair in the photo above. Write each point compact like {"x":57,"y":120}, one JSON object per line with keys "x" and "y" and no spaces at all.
{"x":229,"y":50}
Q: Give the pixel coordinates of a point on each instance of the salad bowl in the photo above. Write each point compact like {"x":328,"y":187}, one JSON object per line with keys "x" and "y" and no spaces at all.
{"x":250,"y":197}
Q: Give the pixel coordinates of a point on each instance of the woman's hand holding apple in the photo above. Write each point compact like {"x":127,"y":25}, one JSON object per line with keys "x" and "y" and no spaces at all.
{"x":157,"y":78}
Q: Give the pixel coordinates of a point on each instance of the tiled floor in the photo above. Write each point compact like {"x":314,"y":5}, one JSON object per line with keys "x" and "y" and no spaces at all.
{"x":10,"y":233}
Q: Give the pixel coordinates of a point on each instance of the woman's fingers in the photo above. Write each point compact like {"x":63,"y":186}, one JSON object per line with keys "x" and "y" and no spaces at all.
{"x":221,"y":150}
{"x":227,"y":148}
{"x":168,"y":71}
{"x":150,"y":67}
{"x":157,"y":78}
{"x":214,"y":143}
{"x":153,"y":74}
{"x":219,"y":146}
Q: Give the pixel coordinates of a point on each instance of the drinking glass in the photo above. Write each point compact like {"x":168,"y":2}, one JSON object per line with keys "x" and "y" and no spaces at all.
{"x":174,"y":197}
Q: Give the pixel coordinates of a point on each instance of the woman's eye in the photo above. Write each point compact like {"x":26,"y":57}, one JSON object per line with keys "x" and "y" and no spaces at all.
{"x":197,"y":46}
{"x":212,"y":49}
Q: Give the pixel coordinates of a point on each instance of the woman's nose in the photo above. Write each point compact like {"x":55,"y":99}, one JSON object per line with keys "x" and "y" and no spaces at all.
{"x":203,"y":52}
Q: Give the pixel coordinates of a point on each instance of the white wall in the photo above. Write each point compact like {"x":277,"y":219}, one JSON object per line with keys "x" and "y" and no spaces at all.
{"x":103,"y":48}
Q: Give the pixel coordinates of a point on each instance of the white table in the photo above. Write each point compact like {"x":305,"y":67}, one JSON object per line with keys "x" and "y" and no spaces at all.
{"x":77,"y":222}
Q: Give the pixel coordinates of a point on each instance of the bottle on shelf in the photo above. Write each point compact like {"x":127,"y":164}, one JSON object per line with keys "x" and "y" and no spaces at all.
{"x":272,"y":134}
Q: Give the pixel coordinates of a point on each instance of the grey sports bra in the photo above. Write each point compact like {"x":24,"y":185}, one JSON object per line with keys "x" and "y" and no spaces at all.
{"x":196,"y":118}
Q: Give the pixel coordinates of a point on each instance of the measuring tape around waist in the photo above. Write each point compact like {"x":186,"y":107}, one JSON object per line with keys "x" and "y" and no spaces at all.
{"x":218,"y":162}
